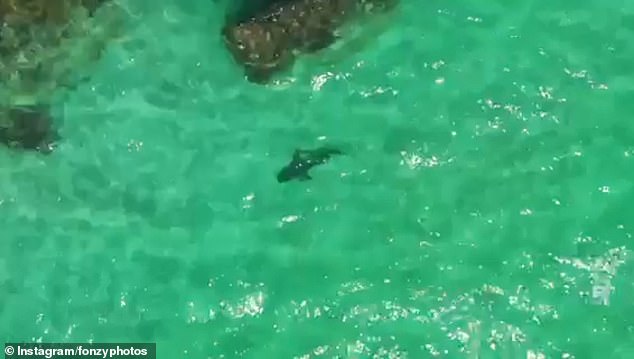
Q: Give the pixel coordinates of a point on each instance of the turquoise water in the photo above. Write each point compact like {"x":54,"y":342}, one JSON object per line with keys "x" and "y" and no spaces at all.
{"x":483,"y":209}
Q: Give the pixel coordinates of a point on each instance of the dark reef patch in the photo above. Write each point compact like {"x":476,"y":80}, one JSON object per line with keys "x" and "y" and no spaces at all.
{"x":266,"y":38}
{"x":28,"y":128}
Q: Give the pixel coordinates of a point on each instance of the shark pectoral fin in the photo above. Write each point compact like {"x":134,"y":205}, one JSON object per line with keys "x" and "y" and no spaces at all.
{"x":305,"y":177}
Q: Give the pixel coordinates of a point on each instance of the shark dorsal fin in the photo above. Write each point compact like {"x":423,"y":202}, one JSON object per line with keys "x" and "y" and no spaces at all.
{"x":296,"y":155}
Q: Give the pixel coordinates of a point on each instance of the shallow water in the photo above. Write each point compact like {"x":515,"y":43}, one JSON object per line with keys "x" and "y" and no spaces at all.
{"x":483,"y":209}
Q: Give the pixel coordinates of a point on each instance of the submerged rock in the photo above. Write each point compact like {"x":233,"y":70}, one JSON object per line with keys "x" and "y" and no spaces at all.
{"x":27,"y":127}
{"x":268,"y":41}
{"x":41,"y":11}
{"x":37,"y":44}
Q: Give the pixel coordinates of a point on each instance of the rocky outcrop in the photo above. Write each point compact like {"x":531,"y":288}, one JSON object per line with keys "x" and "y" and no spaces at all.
{"x":268,"y":41}
{"x":27,"y":128}
{"x":44,"y":45}
{"x":35,"y":40}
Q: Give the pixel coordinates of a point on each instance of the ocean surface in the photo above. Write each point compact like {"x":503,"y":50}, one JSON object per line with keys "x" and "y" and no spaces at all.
{"x":483,"y":208}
